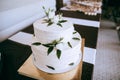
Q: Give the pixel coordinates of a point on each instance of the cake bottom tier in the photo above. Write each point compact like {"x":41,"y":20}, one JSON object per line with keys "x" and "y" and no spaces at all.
{"x":68,"y":59}
{"x":56,"y":69}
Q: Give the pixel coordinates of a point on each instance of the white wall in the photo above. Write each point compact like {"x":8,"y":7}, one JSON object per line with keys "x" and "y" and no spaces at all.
{"x":11,"y":4}
{"x":18,"y":14}
{"x":13,"y":11}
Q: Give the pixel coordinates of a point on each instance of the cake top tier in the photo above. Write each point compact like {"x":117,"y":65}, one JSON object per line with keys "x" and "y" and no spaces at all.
{"x":52,"y":22}
{"x":53,"y":27}
{"x":40,"y":24}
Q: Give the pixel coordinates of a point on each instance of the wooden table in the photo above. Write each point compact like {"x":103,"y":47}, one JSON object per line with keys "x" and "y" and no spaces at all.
{"x":28,"y":69}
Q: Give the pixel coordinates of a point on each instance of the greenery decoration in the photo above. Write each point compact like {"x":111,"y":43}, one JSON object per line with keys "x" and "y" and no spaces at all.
{"x":61,"y":21}
{"x":36,"y":43}
{"x":75,"y":38}
{"x":69,"y":44}
{"x":58,"y":53}
{"x":74,"y":32}
{"x":51,"y":47}
{"x":49,"y":21}
{"x":71,"y":64}
{"x":50,"y":67}
{"x":51,"y":18}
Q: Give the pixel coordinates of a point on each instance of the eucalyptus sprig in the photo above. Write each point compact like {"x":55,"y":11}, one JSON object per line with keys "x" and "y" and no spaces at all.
{"x":60,"y":20}
{"x":48,"y":20}
{"x":51,"y":46}
{"x":51,"y":20}
{"x":47,"y":11}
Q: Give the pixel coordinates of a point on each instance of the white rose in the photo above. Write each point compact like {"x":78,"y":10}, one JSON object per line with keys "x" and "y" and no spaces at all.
{"x":56,"y":19}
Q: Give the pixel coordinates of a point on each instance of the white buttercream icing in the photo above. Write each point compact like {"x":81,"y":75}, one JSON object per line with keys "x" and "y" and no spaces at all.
{"x":68,"y":56}
{"x":54,"y":49}
{"x":46,"y":34}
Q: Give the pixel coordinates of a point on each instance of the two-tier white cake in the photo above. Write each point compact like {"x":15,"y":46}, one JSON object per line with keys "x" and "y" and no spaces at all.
{"x":56,"y":45}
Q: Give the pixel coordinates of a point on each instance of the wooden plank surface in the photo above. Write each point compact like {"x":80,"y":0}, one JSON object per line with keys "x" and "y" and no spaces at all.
{"x":28,"y":69}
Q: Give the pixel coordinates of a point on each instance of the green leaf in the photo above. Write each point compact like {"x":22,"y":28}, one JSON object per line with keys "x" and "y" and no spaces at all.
{"x":49,"y":20}
{"x":36,"y":43}
{"x":50,"y":67}
{"x":61,"y":39}
{"x":75,"y":38}
{"x":45,"y":11}
{"x":48,"y":45}
{"x":62,"y":21}
{"x":50,"y":49}
{"x":50,"y":23}
{"x":43,"y":7}
{"x":71,"y":64}
{"x":54,"y":42}
{"x":58,"y":53}
{"x":69,"y":44}
{"x":59,"y":24}
{"x":45,"y":45}
{"x":74,"y":32}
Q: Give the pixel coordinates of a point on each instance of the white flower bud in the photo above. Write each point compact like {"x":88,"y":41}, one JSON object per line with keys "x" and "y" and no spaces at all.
{"x":56,"y":19}
{"x":51,"y":14}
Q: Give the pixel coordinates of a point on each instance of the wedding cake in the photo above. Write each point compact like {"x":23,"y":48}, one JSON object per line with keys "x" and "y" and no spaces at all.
{"x":56,"y":46}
